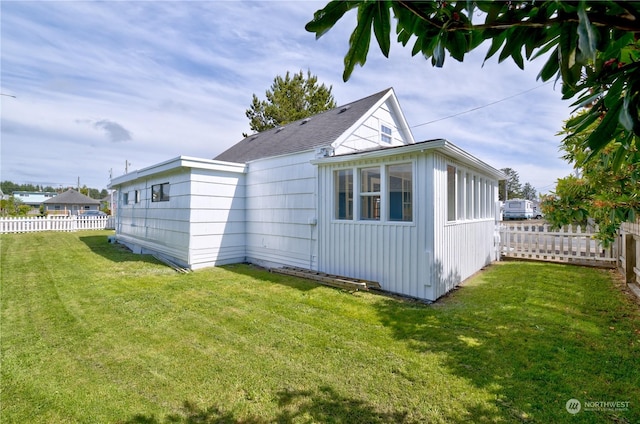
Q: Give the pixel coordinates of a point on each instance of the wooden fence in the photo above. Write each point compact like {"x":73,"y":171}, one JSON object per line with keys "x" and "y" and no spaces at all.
{"x":629,"y":259}
{"x":570,"y":244}
{"x":54,"y":223}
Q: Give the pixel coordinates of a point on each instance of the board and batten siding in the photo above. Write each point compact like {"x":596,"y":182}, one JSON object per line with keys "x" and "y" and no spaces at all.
{"x":424,"y":258}
{"x":394,"y":254}
{"x":461,"y":247}
{"x":281,"y":211}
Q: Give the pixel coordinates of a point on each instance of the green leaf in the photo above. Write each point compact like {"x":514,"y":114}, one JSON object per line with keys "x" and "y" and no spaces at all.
{"x":324,"y":19}
{"x":603,"y":133}
{"x":625,"y":117}
{"x":587,"y":36}
{"x":360,"y":39}
{"x":567,"y":44}
{"x":457,"y":45}
{"x":496,"y":43}
{"x":550,"y":68}
{"x":619,"y":158}
{"x":382,"y":27}
{"x":513,"y":47}
{"x":614,"y":93}
{"x":438,"y":53}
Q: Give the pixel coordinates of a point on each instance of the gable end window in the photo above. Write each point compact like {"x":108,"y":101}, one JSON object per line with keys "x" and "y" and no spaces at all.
{"x":385,"y":134}
{"x":160,"y":192}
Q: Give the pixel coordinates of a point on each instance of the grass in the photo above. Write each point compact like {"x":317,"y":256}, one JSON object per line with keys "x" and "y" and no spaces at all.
{"x":91,"y":333}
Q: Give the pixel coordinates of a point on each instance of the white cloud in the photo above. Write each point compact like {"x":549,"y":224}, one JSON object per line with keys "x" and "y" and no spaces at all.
{"x":174,"y":78}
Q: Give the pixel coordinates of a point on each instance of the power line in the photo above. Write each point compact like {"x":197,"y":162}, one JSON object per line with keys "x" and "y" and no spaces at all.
{"x":483,"y":106}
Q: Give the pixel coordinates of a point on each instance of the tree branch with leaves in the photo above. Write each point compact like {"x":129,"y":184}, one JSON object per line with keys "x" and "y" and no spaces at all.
{"x":591,"y":47}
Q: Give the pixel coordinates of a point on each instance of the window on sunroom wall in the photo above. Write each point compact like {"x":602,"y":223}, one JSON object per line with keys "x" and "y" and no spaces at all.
{"x":400,"y":192}
{"x":451,"y":193}
{"x":344,"y":193}
{"x":370,"y":193}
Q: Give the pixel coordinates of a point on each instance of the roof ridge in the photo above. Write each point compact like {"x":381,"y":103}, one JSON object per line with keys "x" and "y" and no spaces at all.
{"x":303,"y":134}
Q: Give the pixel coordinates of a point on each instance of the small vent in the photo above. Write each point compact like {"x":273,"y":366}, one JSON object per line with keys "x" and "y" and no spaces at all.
{"x":345,"y":108}
{"x":279,"y":129}
{"x":305,"y":120}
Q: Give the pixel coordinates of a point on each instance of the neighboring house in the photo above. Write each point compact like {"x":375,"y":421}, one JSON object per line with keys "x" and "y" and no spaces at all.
{"x":346,"y":192}
{"x":34,"y":199}
{"x":70,"y":202}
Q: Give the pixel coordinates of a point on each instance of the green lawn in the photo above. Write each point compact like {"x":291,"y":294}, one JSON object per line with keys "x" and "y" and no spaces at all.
{"x":92,"y":333}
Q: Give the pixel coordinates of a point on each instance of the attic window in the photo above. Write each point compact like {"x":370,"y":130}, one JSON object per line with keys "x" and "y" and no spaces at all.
{"x":345,"y":108}
{"x":385,"y":133}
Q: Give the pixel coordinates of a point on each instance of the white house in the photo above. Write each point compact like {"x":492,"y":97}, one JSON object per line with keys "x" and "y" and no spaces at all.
{"x":346,"y":192}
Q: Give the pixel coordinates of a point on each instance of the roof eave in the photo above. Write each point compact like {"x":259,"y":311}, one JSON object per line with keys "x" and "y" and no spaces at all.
{"x":175,"y":164}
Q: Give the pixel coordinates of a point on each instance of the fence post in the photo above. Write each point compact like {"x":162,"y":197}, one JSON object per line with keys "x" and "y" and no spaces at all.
{"x":627,"y":259}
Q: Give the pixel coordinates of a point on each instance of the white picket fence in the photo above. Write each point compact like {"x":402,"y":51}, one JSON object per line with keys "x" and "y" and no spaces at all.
{"x":570,"y":244}
{"x":54,"y":223}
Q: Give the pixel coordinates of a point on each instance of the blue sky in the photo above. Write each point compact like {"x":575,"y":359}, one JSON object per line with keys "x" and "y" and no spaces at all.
{"x":98,"y":84}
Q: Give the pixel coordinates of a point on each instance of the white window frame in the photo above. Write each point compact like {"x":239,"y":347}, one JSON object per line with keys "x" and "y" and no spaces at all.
{"x":384,"y":212}
{"x":386,"y":136}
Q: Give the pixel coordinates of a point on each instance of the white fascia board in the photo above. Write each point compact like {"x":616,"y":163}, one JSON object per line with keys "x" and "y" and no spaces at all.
{"x":395,"y":105}
{"x":444,"y":146}
{"x":177,"y":163}
{"x":404,"y":125}
{"x":463,"y":156}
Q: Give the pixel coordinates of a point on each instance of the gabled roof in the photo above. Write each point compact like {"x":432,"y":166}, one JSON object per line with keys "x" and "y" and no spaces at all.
{"x":72,"y":197}
{"x":305,"y":134}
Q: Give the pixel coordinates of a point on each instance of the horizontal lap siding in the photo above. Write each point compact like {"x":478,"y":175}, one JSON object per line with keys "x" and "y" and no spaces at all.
{"x":161,"y":227}
{"x":367,"y":135}
{"x":280,"y":204}
{"x":218,"y":223}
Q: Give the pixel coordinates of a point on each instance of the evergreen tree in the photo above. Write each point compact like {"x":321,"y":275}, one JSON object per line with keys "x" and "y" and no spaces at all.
{"x":289,"y":99}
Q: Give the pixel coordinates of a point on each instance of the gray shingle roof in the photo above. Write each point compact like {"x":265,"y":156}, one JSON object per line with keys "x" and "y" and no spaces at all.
{"x":72,"y":197}
{"x":305,"y":134}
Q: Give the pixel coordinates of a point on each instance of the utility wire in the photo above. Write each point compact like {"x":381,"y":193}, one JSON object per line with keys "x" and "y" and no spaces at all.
{"x":483,"y":106}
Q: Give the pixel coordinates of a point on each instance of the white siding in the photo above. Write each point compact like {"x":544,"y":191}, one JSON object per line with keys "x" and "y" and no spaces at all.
{"x":161,"y":227}
{"x":424,"y":258}
{"x":461,"y":247}
{"x":281,"y":206}
{"x":367,"y":135}
{"x":202,"y":224}
{"x":217,"y":218}
{"x":394,"y":254}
